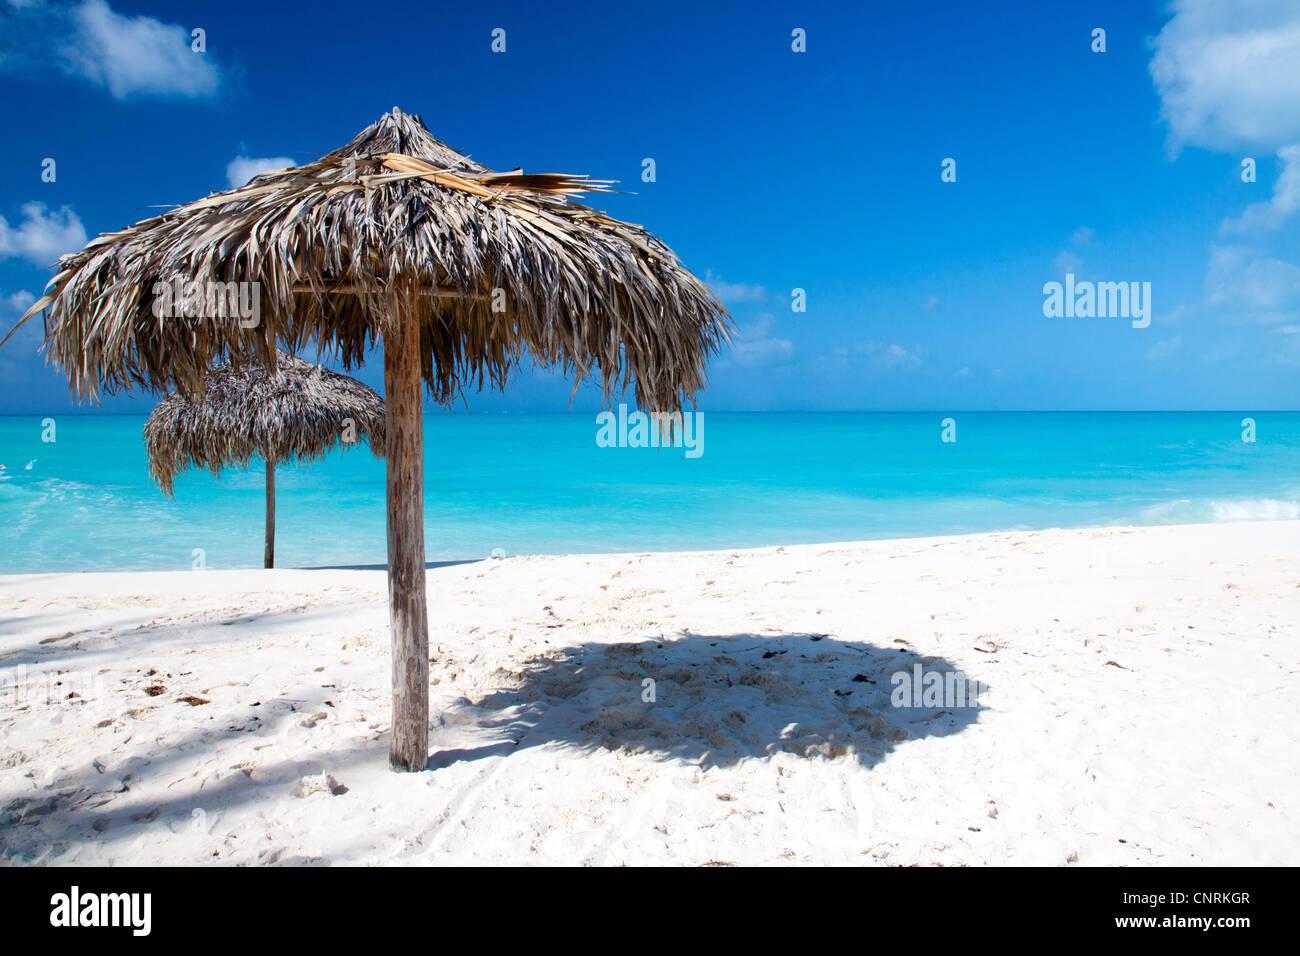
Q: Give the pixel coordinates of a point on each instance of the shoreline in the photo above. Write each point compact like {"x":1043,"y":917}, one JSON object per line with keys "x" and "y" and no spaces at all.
{"x":1140,"y":708}
{"x":440,"y":563}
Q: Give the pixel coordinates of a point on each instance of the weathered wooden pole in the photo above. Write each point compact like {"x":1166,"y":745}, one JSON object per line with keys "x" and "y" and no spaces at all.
{"x":408,"y":615}
{"x":269,"y":559}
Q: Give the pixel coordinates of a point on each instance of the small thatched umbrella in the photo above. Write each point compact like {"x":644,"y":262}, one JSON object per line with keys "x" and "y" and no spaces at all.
{"x":396,"y":237}
{"x":295,"y":411}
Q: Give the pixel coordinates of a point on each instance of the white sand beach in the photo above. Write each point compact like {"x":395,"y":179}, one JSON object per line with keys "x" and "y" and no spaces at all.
{"x":1143,"y":707}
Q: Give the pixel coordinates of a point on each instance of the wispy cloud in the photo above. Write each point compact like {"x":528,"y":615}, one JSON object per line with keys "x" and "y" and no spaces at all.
{"x":1068,"y":260}
{"x":241,"y":169}
{"x":895,"y":356}
{"x":756,"y":347}
{"x":42,"y":236}
{"x":1165,"y":348}
{"x":124,"y":54}
{"x":1271,"y":214}
{"x":1251,"y":286}
{"x":1223,"y":351}
{"x":734,"y":291}
{"x":16,"y":356}
{"x":880,"y":354}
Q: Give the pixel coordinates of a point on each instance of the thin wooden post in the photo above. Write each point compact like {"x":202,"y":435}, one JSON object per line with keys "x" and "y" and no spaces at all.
{"x":408,"y":614}
{"x":269,"y":561}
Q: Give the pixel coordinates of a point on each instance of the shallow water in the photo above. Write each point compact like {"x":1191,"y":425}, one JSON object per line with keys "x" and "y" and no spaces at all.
{"x":540,"y":484}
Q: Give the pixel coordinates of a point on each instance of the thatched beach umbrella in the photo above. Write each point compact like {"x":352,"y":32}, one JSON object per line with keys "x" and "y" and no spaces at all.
{"x":294,"y":411}
{"x":394,"y":238}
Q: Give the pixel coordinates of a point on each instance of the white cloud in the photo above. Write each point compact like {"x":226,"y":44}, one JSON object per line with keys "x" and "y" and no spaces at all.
{"x":734,"y":291}
{"x":242,"y":168}
{"x":756,"y":347}
{"x":20,"y":300}
{"x":127,"y":55}
{"x":1226,"y":73}
{"x":1082,"y":235}
{"x":41,"y":237}
{"x":930,"y":302}
{"x":137,"y":54}
{"x":962,"y":372}
{"x":1273,"y":213}
{"x":1251,"y":286}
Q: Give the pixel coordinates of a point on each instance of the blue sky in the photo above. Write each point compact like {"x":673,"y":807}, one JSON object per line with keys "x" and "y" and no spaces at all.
{"x":775,"y":170}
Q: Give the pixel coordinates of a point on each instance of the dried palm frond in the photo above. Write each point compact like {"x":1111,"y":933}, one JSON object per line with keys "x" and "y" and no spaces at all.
{"x":296,"y":411}
{"x":508,"y":262}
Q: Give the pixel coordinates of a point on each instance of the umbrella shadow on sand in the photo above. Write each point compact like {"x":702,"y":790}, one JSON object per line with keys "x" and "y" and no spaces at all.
{"x":715,"y":700}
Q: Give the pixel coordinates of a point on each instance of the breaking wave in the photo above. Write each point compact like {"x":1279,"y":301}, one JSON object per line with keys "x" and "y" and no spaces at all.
{"x":1200,"y":511}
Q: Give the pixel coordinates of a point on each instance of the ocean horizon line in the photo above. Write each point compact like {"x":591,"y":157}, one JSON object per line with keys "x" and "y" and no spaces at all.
{"x":781,"y":411}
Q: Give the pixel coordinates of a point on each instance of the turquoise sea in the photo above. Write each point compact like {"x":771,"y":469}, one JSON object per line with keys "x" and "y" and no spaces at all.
{"x":538,"y":484}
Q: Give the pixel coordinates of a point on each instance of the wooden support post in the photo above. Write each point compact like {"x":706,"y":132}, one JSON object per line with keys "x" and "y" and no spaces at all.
{"x":408,"y":614}
{"x":269,"y":560}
